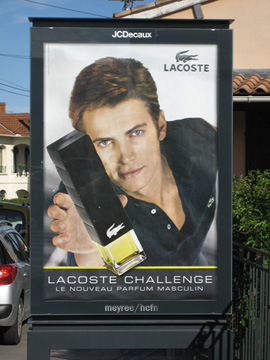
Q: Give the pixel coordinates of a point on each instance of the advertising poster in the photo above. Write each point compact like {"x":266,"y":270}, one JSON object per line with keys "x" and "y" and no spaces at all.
{"x":131,"y":168}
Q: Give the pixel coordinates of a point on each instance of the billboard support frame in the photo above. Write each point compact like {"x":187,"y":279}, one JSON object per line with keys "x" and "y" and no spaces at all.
{"x":53,"y":320}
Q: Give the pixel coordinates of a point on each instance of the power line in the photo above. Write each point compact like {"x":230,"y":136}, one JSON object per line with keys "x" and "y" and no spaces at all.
{"x":12,"y":92}
{"x":62,"y":8}
{"x":13,"y":87}
{"x":25,"y":57}
{"x":9,"y":82}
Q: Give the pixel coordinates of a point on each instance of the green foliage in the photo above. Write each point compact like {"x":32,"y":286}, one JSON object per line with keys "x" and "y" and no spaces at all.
{"x":18,"y":200}
{"x":251,"y":209}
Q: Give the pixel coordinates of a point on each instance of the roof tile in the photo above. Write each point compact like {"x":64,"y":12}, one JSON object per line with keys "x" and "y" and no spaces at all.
{"x":253,"y":85}
{"x":14,"y":123}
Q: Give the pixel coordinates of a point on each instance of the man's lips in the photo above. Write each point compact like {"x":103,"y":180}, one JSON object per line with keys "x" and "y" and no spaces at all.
{"x":130,"y":174}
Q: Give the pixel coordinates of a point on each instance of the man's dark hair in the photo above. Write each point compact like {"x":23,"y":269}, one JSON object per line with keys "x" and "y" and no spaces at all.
{"x":109,"y":81}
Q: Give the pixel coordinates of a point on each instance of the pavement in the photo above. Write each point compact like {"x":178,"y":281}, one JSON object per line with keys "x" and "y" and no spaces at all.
{"x":15,"y":352}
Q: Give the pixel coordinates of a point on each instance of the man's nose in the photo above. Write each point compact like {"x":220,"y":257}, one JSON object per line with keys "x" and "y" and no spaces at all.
{"x":125,"y":153}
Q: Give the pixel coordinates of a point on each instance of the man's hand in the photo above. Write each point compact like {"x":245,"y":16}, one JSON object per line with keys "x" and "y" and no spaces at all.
{"x":72,"y":234}
{"x":67,"y":223}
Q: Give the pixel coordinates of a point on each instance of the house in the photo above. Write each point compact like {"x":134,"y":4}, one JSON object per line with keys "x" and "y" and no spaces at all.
{"x":14,"y":154}
{"x":251,"y":63}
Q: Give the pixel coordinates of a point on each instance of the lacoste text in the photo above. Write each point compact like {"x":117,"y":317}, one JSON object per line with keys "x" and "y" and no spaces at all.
{"x":127,"y":34}
{"x":187,"y":67}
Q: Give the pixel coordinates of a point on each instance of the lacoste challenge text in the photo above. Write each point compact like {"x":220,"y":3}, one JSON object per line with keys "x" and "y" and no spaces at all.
{"x":127,"y":34}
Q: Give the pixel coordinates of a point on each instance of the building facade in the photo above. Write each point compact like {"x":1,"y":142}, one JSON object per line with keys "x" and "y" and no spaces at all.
{"x":14,"y":154}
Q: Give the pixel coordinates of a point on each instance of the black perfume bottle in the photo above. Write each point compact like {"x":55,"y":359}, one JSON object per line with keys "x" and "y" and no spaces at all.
{"x":96,"y":201}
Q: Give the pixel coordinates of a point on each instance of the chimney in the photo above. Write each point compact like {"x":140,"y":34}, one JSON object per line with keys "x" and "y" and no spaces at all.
{"x":2,"y":108}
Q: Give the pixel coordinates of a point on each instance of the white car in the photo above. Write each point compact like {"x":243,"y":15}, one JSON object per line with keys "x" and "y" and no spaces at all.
{"x":14,"y":284}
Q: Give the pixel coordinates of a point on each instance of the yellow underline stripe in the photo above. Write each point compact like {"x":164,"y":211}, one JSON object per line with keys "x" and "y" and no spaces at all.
{"x":176,"y":267}
{"x":137,"y":267}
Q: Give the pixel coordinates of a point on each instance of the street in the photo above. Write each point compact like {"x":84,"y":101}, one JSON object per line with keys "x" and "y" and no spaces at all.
{"x":15,"y":352}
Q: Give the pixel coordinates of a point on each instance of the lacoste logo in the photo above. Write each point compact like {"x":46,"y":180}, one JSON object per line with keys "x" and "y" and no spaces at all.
{"x":211,"y":202}
{"x":114,"y":231}
{"x":182,"y":66}
{"x":181,"y":57}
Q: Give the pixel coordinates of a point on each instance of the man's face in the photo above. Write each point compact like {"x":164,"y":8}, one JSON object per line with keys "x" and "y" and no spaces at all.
{"x":127,"y":141}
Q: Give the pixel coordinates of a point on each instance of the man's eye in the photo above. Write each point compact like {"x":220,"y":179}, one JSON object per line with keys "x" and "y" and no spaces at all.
{"x":137,"y":133}
{"x":104,"y":143}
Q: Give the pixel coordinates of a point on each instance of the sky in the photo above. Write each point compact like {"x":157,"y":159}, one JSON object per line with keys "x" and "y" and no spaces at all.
{"x":15,"y":39}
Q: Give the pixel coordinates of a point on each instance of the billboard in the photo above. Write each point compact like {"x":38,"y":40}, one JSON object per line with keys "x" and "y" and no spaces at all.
{"x":131,"y":167}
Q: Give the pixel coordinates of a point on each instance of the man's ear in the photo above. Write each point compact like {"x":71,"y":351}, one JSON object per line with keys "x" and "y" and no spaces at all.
{"x":162,"y":126}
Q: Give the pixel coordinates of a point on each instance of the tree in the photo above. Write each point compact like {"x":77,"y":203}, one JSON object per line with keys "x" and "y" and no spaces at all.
{"x":251,"y":209}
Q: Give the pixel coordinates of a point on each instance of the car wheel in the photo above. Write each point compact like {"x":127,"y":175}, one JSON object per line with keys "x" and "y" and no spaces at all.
{"x":14,"y":333}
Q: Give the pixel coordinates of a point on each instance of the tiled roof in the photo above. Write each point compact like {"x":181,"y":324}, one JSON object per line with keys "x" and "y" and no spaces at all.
{"x":251,"y":85}
{"x":14,"y":123}
{"x":5,"y":131}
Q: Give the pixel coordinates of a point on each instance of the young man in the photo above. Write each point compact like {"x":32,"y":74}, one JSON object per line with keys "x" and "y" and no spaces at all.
{"x":164,"y":173}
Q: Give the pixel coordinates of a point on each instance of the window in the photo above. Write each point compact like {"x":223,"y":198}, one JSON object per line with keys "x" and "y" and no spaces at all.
{"x":5,"y":256}
{"x":16,"y":217}
{"x":2,"y":159}
{"x":26,"y":158}
{"x":13,"y":240}
{"x":15,"y":158}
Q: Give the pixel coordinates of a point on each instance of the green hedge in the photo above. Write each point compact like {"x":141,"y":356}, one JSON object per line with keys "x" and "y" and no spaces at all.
{"x":17,"y":200}
{"x":251,"y":209}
